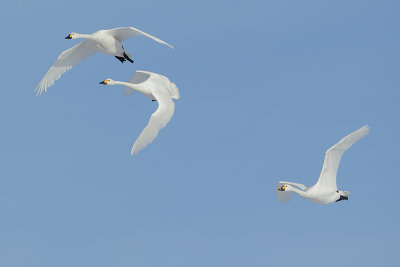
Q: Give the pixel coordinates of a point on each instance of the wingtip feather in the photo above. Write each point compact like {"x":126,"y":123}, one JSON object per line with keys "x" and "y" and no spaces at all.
{"x":368,"y":128}
{"x":39,"y":90}
{"x":134,"y":151}
{"x":364,"y":130}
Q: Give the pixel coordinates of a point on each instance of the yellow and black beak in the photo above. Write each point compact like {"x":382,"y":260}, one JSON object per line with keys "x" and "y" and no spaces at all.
{"x":69,"y":36}
{"x":104,"y":82}
{"x":282,"y":188}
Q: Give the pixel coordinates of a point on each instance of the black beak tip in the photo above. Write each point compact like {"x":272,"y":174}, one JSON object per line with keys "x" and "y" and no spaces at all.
{"x":102,"y":82}
{"x":68,"y":37}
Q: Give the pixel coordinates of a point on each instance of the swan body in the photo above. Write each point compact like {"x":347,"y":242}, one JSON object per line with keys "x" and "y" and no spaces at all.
{"x":157,"y":88}
{"x":106,"y":41}
{"x":325,"y":191}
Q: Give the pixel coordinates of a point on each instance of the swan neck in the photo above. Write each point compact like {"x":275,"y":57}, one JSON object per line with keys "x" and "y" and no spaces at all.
{"x":85,"y":36}
{"x":136,"y":87}
{"x":298,"y":191}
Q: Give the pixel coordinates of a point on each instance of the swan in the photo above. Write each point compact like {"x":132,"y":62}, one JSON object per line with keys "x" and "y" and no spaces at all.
{"x":158,"y":88}
{"x":107,"y":41}
{"x":325,"y":191}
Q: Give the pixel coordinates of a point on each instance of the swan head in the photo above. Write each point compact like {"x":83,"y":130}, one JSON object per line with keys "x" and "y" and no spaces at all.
{"x":283,"y":188}
{"x":72,"y":35}
{"x":286,"y":187}
{"x":107,"y":82}
{"x":342,"y":195}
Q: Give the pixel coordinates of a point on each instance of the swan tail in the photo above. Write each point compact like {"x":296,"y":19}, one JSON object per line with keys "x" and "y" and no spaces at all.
{"x":174,"y":91}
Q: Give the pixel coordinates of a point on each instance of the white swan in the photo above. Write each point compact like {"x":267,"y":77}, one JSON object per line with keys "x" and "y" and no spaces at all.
{"x":325,"y":190}
{"x":106,"y":41}
{"x":158,"y":88}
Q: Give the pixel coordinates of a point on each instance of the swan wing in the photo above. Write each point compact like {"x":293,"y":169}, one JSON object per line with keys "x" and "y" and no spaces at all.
{"x":138,"y":77}
{"x":127,"y":32}
{"x":65,"y":61}
{"x":284,"y":196}
{"x":158,"y":120}
{"x":334,"y":154}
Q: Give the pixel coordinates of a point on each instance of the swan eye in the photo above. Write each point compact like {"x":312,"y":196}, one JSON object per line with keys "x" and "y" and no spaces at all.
{"x":283,"y":188}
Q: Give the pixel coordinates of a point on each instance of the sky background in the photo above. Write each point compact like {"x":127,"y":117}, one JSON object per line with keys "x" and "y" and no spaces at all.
{"x":266,"y":87}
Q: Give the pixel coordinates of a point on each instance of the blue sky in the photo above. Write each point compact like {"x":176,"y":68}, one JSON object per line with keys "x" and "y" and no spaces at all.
{"x":266,"y":87}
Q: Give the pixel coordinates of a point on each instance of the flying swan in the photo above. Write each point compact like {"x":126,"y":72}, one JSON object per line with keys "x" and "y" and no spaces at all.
{"x":107,"y":41}
{"x":158,"y":88}
{"x":325,"y":191}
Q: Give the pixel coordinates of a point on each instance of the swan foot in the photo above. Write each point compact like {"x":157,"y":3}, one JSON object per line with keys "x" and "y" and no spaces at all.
{"x":342,"y":198}
{"x":128,"y":58}
{"x":120,"y":59}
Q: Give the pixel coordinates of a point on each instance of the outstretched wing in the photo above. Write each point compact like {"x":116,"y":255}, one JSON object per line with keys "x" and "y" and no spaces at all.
{"x":65,"y":62}
{"x":333,"y":156}
{"x":284,"y":196}
{"x":127,"y":32}
{"x":159,"y":119}
{"x":138,"y":77}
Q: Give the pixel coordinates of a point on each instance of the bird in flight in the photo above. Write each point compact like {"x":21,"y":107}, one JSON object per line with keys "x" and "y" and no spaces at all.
{"x":325,"y":191}
{"x":107,"y":41}
{"x":158,"y":88}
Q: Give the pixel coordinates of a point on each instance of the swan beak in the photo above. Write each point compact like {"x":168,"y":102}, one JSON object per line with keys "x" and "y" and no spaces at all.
{"x":282,"y":188}
{"x":104,"y":82}
{"x":69,"y":36}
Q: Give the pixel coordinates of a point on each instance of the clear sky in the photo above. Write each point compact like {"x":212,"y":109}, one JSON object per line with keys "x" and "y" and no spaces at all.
{"x":266,"y":87}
